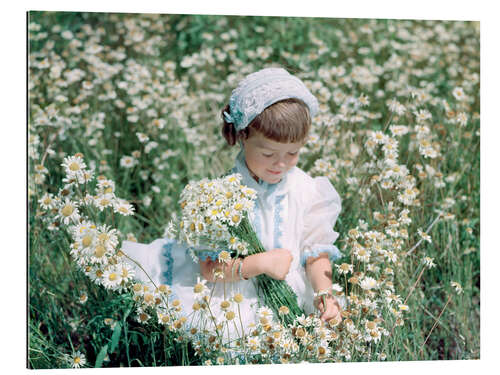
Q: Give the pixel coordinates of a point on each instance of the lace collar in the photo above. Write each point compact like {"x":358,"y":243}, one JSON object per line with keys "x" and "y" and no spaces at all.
{"x":263,"y":188}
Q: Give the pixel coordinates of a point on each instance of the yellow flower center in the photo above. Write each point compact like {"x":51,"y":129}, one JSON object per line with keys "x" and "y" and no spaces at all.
{"x":198,"y":288}
{"x":112,"y":276}
{"x":77,"y":360}
{"x":99,"y":251}
{"x":86,"y":241}
{"x":300,"y":332}
{"x":230,"y":315}
{"x":108,"y":190}
{"x":137,"y":288}
{"x":238,"y":206}
{"x":176,"y":303}
{"x":284,"y":310}
{"x":47,"y":201}
{"x":224,"y":304}
{"x":229,"y":195}
{"x":74,"y":167}
{"x":235,"y":218}
{"x":67,"y":210}
{"x":238,"y":298}
{"x":148,"y":298}
{"x":104,"y":202}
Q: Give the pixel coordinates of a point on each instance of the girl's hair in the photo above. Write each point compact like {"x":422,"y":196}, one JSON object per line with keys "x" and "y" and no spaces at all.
{"x":286,"y":121}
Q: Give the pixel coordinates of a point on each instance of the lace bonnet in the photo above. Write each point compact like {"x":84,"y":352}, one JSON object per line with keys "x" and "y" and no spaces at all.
{"x":261,"y":89}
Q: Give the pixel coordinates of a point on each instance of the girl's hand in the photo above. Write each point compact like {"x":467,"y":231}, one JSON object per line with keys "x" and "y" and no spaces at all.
{"x":276,"y":263}
{"x":330,"y":309}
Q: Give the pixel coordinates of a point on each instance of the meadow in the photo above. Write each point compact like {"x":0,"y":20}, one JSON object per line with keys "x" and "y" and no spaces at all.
{"x":125,"y":110}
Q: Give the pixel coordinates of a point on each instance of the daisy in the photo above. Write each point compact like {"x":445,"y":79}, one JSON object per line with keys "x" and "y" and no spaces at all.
{"x":462,"y":119}
{"x":459,"y":93}
{"x":103,"y":201}
{"x":344,"y":268}
{"x":78,"y":360}
{"x":111,"y":278}
{"x":143,"y":138}
{"x":424,"y":236}
{"x":47,"y":201}
{"x":428,"y":262}
{"x":128,"y":161}
{"x":201,"y":288}
{"x":68,"y":212}
{"x":73,"y":165}
{"x":265,"y":312}
{"x":379,"y":137}
{"x":368,"y":283}
{"x":122,"y":207}
{"x":83,"y":298}
{"x":127,"y":272}
{"x":457,"y":286}
{"x":422,"y":115}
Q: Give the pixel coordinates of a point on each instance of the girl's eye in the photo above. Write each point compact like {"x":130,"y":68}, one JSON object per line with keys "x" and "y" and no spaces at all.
{"x":293,"y":153}
{"x":267,"y":155}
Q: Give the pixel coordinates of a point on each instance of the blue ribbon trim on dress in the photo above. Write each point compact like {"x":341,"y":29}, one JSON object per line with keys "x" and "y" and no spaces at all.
{"x":332,"y":250}
{"x":167,"y":252}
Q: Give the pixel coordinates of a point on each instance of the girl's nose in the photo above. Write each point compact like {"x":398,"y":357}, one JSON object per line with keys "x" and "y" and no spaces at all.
{"x":280,"y":163}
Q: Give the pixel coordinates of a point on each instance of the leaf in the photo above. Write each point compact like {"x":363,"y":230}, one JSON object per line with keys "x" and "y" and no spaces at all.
{"x":115,"y":337}
{"x":100,"y":356}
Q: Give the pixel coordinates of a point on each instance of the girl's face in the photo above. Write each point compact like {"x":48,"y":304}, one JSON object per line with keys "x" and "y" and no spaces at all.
{"x":270,"y":160}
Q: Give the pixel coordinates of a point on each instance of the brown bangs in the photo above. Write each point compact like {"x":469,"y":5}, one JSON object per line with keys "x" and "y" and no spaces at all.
{"x":286,"y":121}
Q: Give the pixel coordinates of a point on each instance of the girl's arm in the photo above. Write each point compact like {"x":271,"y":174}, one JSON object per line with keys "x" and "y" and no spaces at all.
{"x":319,"y":272}
{"x":274,"y":263}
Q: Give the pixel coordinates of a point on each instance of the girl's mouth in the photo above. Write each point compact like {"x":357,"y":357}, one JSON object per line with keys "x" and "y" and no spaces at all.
{"x":272,"y":172}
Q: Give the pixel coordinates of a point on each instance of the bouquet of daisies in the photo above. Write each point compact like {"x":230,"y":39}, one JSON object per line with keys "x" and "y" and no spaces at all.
{"x":215,"y":217}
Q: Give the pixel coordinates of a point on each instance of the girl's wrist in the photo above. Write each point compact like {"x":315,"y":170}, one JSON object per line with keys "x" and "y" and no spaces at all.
{"x":252,"y":265}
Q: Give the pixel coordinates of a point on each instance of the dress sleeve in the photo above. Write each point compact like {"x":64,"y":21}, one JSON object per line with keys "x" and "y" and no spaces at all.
{"x":323,"y":208}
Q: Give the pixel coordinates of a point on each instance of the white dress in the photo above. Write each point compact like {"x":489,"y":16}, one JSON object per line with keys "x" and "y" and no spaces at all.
{"x":297,"y":214}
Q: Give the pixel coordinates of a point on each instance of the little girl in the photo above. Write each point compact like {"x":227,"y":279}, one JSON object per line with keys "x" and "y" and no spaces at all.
{"x":269,"y":116}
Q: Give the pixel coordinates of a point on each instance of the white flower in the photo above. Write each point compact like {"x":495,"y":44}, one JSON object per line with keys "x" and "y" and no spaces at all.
{"x":368,"y":283}
{"x":143,"y":138}
{"x":78,"y":360}
{"x":429,"y":262}
{"x":459,"y":93}
{"x":424,"y":236}
{"x":74,"y":167}
{"x":422,"y":115}
{"x":122,"y":207}
{"x":111,"y":278}
{"x":47,"y":201}
{"x":462,"y":118}
{"x":457,"y":286}
{"x":68,"y":212}
{"x":128,"y":161}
